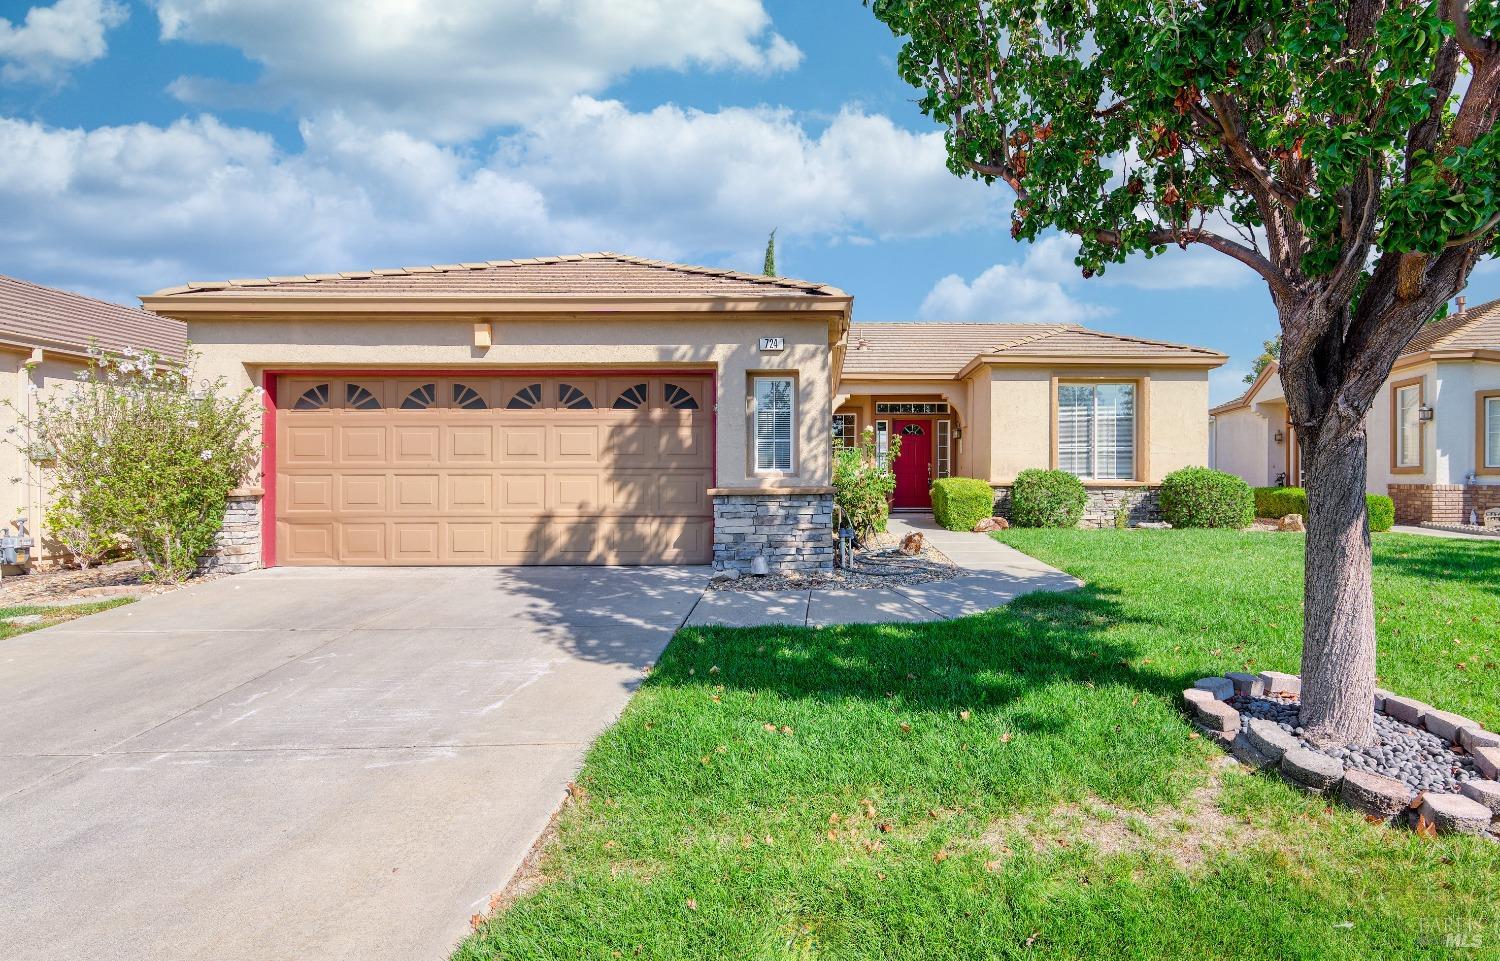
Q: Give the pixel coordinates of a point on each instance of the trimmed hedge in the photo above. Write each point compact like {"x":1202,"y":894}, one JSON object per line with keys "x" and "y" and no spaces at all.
{"x":958,"y":503}
{"x":1277,"y":502}
{"x":1204,"y":497}
{"x":1047,"y":498}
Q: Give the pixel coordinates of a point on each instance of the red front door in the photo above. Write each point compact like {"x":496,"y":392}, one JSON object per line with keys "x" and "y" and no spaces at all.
{"x":913,"y":464}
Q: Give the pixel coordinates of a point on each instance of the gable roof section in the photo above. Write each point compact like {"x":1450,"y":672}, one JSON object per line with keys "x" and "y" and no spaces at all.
{"x":1454,"y":337}
{"x":602,"y":274}
{"x":949,"y":350}
{"x":35,"y":316}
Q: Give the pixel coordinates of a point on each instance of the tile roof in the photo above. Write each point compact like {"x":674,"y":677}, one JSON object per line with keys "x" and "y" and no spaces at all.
{"x":943,"y":350}
{"x":46,"y":317}
{"x":602,"y":273}
{"x":1477,"y":328}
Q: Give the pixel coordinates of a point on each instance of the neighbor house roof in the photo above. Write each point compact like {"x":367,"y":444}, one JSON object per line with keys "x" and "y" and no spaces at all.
{"x":946,"y":350}
{"x":35,"y":316}
{"x":1453,"y":337}
{"x":593,"y":274}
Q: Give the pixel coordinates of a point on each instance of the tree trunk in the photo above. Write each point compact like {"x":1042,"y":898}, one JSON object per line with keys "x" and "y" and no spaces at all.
{"x":1338,"y":632}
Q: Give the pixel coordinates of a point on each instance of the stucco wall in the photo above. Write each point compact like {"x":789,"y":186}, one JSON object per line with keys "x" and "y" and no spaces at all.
{"x":1454,"y":423}
{"x":1240,"y":446}
{"x":1179,"y":420}
{"x":23,"y":485}
{"x":1378,"y":433}
{"x":1020,"y":420}
{"x":240,"y":349}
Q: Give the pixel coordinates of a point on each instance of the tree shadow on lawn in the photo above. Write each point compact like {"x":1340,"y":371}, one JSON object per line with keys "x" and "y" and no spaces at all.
{"x":1474,"y":564}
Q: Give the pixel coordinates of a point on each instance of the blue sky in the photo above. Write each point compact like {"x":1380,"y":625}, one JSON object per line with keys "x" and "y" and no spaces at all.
{"x":147,"y":143}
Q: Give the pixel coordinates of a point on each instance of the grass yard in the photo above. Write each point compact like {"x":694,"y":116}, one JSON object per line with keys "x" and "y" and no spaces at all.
{"x":51,"y":615}
{"x":1019,"y":784}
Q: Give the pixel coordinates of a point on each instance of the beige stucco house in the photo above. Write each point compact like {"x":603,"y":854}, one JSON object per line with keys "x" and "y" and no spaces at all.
{"x":45,"y":336}
{"x":1434,"y":428}
{"x":601,"y":408}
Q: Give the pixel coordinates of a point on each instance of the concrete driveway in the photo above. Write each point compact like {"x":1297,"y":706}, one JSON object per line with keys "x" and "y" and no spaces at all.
{"x":299,"y":764}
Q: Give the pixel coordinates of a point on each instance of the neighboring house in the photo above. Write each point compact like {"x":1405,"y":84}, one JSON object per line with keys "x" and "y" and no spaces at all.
{"x":1434,"y":428}
{"x":599,"y":408}
{"x":45,"y":336}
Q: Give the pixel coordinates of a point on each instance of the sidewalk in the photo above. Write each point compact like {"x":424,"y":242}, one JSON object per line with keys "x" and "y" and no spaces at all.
{"x":993,"y":575}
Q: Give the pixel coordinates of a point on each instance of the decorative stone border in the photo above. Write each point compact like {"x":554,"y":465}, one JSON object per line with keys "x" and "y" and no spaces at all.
{"x":1263,"y":745}
{"x":1480,"y":530}
{"x":792,"y":530}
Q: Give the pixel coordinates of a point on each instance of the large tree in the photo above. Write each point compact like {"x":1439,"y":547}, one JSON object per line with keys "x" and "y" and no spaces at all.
{"x":1344,"y":150}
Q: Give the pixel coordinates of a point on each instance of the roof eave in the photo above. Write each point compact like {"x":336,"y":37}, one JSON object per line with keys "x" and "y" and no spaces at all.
{"x":1206,"y":361}
{"x":174,"y":304}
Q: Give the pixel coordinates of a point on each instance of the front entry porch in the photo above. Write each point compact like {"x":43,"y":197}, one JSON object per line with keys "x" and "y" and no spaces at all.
{"x":929,"y":434}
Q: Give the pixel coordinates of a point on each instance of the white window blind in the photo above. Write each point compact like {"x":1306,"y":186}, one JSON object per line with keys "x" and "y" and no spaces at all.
{"x":1408,"y":426}
{"x":1492,"y":432}
{"x":882,"y":441}
{"x":773,"y":423}
{"x":1096,"y":430}
{"x":944,"y":449}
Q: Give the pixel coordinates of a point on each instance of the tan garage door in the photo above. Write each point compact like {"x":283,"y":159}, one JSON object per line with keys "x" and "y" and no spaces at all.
{"x":594,"y":469}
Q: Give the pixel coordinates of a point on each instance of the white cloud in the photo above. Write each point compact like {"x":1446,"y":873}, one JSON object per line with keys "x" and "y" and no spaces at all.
{"x":449,"y":69}
{"x":52,"y":40}
{"x":122,"y":210}
{"x":1031,"y":291}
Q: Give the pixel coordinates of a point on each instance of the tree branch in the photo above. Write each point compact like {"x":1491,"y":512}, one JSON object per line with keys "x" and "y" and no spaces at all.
{"x":1280,"y":284}
{"x":1478,"y":49}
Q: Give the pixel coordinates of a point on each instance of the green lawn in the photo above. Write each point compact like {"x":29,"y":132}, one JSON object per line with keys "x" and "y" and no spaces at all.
{"x":52,"y":615}
{"x":1019,"y":784}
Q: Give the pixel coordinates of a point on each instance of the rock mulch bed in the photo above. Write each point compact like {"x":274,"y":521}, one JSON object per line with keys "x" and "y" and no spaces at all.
{"x":1436,"y":770}
{"x":878,"y":564}
{"x":119,"y":579}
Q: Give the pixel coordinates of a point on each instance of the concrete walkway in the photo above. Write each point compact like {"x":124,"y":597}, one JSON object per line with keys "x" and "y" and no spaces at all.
{"x":1430,"y":532}
{"x":302,"y":764}
{"x":994,"y":574}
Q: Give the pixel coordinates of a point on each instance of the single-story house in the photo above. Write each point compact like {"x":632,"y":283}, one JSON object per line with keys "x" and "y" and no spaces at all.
{"x":1434,"y":428}
{"x":601,"y":408}
{"x":45,"y":337}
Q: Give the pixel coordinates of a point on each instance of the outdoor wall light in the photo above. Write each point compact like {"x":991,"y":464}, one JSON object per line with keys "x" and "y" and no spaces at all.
{"x":1280,"y":437}
{"x":1424,"y":413}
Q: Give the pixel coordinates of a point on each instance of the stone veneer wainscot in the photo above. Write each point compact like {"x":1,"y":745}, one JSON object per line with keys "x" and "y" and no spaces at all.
{"x":1142,"y":504}
{"x":238,"y":544}
{"x":792,"y":529}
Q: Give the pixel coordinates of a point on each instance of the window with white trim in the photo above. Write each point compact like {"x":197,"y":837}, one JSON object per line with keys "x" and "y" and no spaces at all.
{"x":1409,"y":426}
{"x":775,"y":398}
{"x":1492,"y":432}
{"x":843,"y":430}
{"x":1096,"y":430}
{"x":882,"y":441}
{"x":944,"y":448}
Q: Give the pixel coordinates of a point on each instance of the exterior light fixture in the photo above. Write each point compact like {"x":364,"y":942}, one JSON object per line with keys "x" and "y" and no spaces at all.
{"x":1280,"y":437}
{"x":1424,"y":413}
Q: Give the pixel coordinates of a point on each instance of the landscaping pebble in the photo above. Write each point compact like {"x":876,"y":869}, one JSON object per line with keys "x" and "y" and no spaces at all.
{"x":1312,"y":770}
{"x":1486,"y":793}
{"x":1220,"y":687}
{"x":1247,"y":683}
{"x":1374,"y":794}
{"x":1454,"y":813}
{"x":1417,"y":758}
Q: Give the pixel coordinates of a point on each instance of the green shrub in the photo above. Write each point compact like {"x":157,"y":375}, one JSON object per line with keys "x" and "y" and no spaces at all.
{"x":141,"y":456}
{"x":1277,"y":502}
{"x":1047,"y":498}
{"x":862,"y":484}
{"x":1204,"y":497}
{"x":958,"y":503}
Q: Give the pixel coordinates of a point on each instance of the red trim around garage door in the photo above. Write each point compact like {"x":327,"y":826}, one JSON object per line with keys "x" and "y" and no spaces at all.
{"x":268,"y":418}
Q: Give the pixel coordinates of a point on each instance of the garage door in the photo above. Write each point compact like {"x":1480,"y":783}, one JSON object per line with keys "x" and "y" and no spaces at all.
{"x":391,"y":470}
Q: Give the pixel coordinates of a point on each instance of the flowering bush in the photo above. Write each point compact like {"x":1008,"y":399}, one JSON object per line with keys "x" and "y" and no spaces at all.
{"x":140,"y":457}
{"x":863,"y":483}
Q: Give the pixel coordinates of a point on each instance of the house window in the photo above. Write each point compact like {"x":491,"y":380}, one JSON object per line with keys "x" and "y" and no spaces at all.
{"x":882,"y":441}
{"x":906,"y":408}
{"x":1489,"y":431}
{"x":774,"y":400}
{"x":944,"y":458}
{"x":1406,"y":405}
{"x":844,"y":434}
{"x":1096,"y":430}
